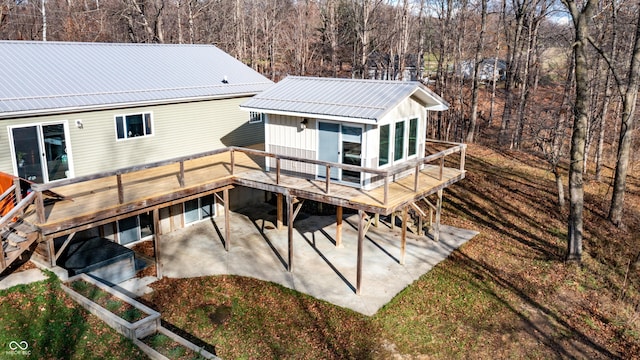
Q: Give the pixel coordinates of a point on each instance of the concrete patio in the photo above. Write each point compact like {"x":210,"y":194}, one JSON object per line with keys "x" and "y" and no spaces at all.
{"x":320,"y":269}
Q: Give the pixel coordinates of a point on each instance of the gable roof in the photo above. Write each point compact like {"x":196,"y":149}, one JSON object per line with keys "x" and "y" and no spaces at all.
{"x":53,"y":77}
{"x":363,"y":100}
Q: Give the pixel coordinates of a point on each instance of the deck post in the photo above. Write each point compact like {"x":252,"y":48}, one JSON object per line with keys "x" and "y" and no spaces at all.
{"x":52,"y":252}
{"x":441,"y":168}
{"x":339,"y":226}
{"x":327,"y":179}
{"x":463,"y":152}
{"x":392,"y":220}
{"x":290,"y":200}
{"x":419,"y":230}
{"x":120,"y":190}
{"x":376,"y":220}
{"x":277,"y":171}
{"x":156,"y":241}
{"x":233,"y":162}
{"x":386,"y":189}
{"x":227,"y":219}
{"x":18,"y":190}
{"x":415,"y":180}
{"x":403,"y":238}
{"x":40,"y":207}
{"x":181,"y":176}
{"x":436,"y":226}
{"x":361,"y":216}
{"x":279,"y":212}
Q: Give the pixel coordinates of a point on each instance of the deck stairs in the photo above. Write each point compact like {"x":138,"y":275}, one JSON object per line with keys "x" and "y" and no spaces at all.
{"x":17,"y":237}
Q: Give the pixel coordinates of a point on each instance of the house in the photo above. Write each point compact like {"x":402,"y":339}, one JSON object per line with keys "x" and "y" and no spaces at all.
{"x":369,"y":123}
{"x":490,"y":69}
{"x":73,"y":109}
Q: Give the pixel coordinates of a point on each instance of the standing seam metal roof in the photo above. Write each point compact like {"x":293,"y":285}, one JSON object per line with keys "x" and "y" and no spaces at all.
{"x":45,"y":76}
{"x":348,"y":98}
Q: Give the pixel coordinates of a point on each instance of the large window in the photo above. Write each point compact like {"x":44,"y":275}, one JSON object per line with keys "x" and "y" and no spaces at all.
{"x":413,"y":136}
{"x":399,"y":141}
{"x":133,"y":125}
{"x":383,"y":156}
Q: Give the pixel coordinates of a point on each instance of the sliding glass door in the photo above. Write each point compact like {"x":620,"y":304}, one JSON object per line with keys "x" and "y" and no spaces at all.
{"x":40,"y":152}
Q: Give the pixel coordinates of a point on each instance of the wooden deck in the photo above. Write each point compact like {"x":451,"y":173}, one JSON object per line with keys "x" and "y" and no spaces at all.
{"x":102,"y":198}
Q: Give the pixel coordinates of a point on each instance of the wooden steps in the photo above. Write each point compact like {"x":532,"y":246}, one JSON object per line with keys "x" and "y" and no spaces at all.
{"x":17,"y":237}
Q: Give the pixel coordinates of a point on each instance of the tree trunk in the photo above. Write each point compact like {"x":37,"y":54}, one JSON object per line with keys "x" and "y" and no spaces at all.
{"x":624,"y":142}
{"x":580,"y":108}
{"x":473,"y":118}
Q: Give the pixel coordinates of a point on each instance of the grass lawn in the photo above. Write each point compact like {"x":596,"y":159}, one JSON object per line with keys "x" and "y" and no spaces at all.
{"x":55,"y":327}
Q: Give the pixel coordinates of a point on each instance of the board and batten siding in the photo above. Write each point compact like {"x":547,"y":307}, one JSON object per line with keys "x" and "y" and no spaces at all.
{"x":178,"y":130}
{"x":284,"y":136}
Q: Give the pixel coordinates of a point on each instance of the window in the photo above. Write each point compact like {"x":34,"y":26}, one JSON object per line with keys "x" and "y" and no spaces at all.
{"x":134,"y":125}
{"x":413,"y":136}
{"x":255,"y":117}
{"x":399,"y":141}
{"x":383,"y":156}
{"x":199,"y":209}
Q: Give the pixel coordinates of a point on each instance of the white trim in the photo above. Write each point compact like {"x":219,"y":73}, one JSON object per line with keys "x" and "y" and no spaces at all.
{"x":315,"y":116}
{"x":124,"y":124}
{"x":41,"y":148}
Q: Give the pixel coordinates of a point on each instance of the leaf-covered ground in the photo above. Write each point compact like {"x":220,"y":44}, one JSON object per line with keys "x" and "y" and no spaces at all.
{"x":506,"y":294}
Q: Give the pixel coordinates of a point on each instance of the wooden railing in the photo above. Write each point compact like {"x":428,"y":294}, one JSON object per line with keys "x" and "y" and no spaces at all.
{"x":385,"y":174}
{"x":14,"y":195}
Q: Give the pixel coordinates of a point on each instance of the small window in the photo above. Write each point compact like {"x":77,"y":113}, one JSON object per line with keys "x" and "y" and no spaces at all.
{"x":255,"y":117}
{"x":413,"y":136}
{"x":133,"y":125}
{"x":383,"y":156}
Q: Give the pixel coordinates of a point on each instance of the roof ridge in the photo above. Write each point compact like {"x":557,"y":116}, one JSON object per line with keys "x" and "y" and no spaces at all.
{"x":323,"y":103}
{"x":399,"y":82}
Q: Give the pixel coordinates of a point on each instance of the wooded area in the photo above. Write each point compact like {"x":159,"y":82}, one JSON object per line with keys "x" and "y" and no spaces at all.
{"x":567,"y":72}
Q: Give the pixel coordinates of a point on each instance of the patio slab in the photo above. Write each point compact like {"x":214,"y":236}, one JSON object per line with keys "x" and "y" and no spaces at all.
{"x":320,"y":269}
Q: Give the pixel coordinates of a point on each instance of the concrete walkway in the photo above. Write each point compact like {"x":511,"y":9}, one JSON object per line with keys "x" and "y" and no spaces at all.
{"x":320,"y":269}
{"x":22,"y":277}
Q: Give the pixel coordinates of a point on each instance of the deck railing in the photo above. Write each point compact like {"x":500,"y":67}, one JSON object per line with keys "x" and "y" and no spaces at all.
{"x":12,"y":199}
{"x":385,"y":174}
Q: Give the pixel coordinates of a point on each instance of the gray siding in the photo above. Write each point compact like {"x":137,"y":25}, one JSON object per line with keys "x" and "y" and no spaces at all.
{"x":178,"y":130}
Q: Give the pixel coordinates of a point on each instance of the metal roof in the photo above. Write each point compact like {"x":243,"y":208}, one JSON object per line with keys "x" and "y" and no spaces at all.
{"x":51,"y":77}
{"x":340,"y":98}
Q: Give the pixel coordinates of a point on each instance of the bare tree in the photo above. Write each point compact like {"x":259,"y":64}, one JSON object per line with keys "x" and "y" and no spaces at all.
{"x":473,"y":118}
{"x":581,"y":17}
{"x":629,"y":93}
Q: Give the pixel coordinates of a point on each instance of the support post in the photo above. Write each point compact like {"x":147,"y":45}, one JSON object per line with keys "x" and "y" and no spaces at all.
{"x":233,"y":162}
{"x":120,"y":190}
{"x":415,"y":179}
{"x":463,"y":152}
{"x":361,"y":216}
{"x":386,"y":188}
{"x":436,"y":226}
{"x":376,"y":220}
{"x":290,"y":232}
{"x":419,"y":225}
{"x":392,"y":219}
{"x":339,"y":226}
{"x":277,"y":171}
{"x":227,"y":219}
{"x":40,"y":207}
{"x":279,"y":212}
{"x":156,"y":242}
{"x":52,"y":252}
{"x":18,"y":190}
{"x":181,"y":176}
{"x":327,"y":179}
{"x":441,"y":168}
{"x":403,"y":238}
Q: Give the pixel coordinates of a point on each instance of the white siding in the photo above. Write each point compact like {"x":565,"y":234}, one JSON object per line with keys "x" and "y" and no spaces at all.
{"x":286,"y":137}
